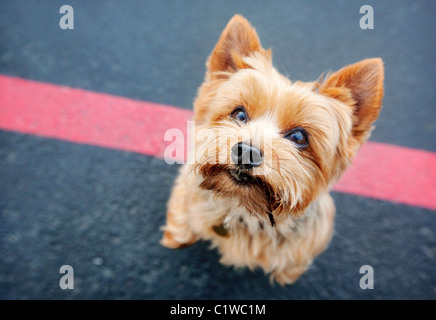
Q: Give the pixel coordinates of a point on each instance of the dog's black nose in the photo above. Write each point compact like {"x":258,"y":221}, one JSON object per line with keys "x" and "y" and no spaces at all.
{"x":246,"y":156}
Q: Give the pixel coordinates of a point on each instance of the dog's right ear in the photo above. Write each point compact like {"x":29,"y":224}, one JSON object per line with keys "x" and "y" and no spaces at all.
{"x":238,"y":40}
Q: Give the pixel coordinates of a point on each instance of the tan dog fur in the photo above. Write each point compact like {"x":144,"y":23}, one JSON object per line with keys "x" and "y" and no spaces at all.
{"x":293,"y":183}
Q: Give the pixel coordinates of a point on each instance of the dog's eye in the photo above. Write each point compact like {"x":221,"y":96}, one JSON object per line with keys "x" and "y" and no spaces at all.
{"x":240,"y":114}
{"x":298,"y":136}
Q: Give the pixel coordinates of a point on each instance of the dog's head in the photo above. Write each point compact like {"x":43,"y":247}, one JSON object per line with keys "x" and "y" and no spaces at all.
{"x":272,"y":143}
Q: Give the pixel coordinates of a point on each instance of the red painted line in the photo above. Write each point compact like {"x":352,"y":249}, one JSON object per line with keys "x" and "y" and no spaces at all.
{"x":379,"y":171}
{"x":86,"y":117}
{"x":392,"y":173}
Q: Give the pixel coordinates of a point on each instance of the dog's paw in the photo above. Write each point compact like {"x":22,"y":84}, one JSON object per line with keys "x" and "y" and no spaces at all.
{"x":288,"y":276}
{"x":169,"y":241}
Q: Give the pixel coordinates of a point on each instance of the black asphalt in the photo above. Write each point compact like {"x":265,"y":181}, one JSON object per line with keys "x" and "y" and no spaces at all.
{"x":100,"y":210}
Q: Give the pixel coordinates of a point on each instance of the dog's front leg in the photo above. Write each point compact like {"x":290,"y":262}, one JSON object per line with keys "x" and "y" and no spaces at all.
{"x":177,"y":233}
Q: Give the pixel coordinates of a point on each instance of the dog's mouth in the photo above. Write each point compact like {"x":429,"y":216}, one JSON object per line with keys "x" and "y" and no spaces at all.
{"x":254,"y":192}
{"x":242,"y":176}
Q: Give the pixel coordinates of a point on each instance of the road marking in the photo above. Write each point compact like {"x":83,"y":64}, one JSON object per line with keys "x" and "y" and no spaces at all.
{"x":380,"y":171}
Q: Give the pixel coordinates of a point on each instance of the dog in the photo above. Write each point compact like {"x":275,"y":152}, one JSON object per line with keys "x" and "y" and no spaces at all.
{"x":257,"y":187}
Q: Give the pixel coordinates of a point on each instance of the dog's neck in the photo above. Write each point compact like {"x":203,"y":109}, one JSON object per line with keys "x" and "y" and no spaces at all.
{"x":236,"y":218}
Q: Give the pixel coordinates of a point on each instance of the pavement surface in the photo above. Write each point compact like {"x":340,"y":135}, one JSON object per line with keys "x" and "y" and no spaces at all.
{"x":100,"y":210}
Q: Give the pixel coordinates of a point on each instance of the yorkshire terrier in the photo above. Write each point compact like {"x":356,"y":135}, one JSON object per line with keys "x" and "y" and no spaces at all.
{"x":267,"y":151}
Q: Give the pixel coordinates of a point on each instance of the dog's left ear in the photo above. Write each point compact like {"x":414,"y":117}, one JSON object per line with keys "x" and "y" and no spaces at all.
{"x":360,"y":86}
{"x":238,"y":40}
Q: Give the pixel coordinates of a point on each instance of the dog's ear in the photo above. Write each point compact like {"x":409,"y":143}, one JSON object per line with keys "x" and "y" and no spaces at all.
{"x":360,"y":86}
{"x":238,"y":40}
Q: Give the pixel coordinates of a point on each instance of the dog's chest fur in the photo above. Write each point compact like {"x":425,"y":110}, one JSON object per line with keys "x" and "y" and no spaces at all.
{"x":250,"y":240}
